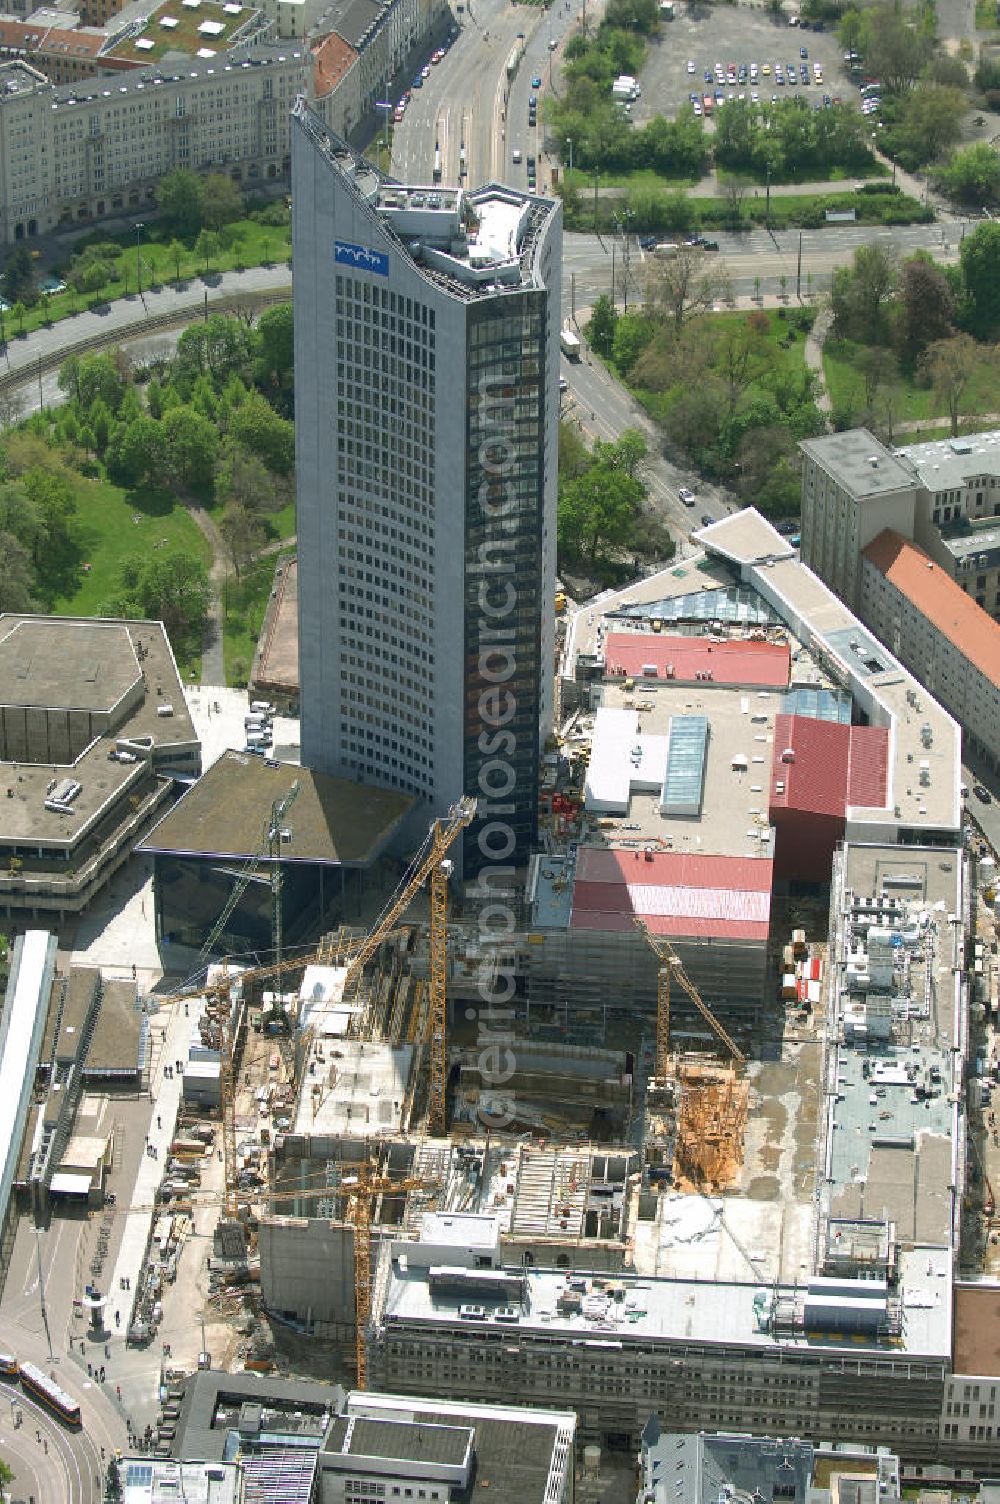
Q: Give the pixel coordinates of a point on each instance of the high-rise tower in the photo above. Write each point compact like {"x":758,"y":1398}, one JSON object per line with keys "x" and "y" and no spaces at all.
{"x":426,"y":418}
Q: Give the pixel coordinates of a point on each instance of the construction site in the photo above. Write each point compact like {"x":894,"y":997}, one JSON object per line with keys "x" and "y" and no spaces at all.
{"x":728,"y":1088}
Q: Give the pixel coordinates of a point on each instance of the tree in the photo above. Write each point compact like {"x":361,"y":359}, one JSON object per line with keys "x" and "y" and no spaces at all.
{"x":598,"y":509}
{"x":925,"y":308}
{"x":878,"y":367}
{"x":19,"y":310}
{"x":633,"y":332}
{"x":136,"y":452}
{"x":171,"y":587}
{"x":176,"y":252}
{"x":207,"y":247}
{"x":243,"y":478}
{"x":735,"y":189}
{"x":222,"y":201}
{"x":895,"y":50}
{"x":6,"y":1477}
{"x":972,"y":174}
{"x":219,"y":347}
{"x":686,"y":284}
{"x":949,"y":365}
{"x":861,"y":292}
{"x":932,"y":119}
{"x":17,"y":284}
{"x":980,"y":262}
{"x":601,"y":328}
{"x":17,"y":581}
{"x":274,"y":356}
{"x":191,"y":447}
{"x":181,"y":197}
{"x":257,"y":426}
{"x":242,"y":533}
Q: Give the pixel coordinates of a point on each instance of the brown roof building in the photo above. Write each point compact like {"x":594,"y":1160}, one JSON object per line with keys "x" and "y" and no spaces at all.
{"x":947,"y":641}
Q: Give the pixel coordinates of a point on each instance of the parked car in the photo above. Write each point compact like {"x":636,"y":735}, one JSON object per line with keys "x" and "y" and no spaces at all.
{"x":647,"y":242}
{"x":983,"y":795}
{"x":707,"y":519}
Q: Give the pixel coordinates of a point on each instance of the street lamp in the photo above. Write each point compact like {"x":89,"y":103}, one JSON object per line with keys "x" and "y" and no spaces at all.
{"x":139,"y":226}
{"x":569,"y":143}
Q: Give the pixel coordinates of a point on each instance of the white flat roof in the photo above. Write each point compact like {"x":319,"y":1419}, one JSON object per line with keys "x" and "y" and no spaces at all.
{"x":20,"y":1038}
{"x":71,"y":1183}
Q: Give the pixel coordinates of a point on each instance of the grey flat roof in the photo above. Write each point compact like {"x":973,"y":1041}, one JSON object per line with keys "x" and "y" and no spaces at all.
{"x":72,"y":665}
{"x":847,"y":458}
{"x":402,"y":1441}
{"x":950,"y":464}
{"x":332,"y":820}
{"x":89,"y":90}
{"x":208,"y":1393}
{"x":681,"y":1311}
{"x":520,"y":1454}
{"x":115,"y":1045}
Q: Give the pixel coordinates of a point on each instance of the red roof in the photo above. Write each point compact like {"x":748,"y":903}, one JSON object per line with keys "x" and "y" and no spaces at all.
{"x":674,"y":893}
{"x":940,"y":599}
{"x":833,"y":766}
{"x":868,"y":774}
{"x":332,"y":57}
{"x":763,"y":664}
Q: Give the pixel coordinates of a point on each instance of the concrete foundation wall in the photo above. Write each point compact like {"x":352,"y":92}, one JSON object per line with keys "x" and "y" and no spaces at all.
{"x":307,"y":1271}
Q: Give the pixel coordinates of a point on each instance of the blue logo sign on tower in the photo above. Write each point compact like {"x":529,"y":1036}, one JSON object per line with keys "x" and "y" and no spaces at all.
{"x":360,"y":258}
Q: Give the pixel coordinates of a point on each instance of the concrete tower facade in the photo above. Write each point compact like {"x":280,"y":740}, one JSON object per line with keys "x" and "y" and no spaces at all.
{"x":426,"y":379}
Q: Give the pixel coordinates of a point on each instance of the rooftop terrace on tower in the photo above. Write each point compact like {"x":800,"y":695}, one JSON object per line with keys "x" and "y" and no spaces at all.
{"x":473,"y":243}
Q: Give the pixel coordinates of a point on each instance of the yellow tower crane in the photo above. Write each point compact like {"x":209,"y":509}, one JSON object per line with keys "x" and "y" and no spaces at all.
{"x":670,"y":961}
{"x":363,"y":1190}
{"x":431,"y":861}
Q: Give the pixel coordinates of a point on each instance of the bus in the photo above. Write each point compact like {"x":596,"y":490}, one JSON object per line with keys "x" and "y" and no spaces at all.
{"x":437,"y":164}
{"x":8,"y":1366}
{"x":49,"y":1394}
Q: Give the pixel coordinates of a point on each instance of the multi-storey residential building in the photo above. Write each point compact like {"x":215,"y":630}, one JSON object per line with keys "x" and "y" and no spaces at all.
{"x":943,"y":495}
{"x":927,"y":619}
{"x":426,"y":367}
{"x":910,"y":539}
{"x":852,"y":488}
{"x":73,"y":153}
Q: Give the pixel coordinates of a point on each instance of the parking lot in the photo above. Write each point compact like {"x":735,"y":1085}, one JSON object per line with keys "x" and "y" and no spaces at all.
{"x":750,"y":38}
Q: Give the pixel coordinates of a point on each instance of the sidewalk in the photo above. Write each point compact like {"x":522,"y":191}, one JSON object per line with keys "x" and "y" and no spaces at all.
{"x":169,"y":1034}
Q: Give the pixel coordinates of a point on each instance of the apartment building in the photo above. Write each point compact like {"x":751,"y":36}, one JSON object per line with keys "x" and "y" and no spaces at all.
{"x":426,"y":359}
{"x":930,"y":622}
{"x":852,"y":488}
{"x":73,"y":153}
{"x":943,"y":495}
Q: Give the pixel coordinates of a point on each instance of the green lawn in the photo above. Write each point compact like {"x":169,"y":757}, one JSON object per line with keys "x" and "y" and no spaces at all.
{"x":846,"y":388}
{"x":253,"y":245}
{"x":791,"y":360}
{"x":243,"y":607}
{"x":986,"y":15}
{"x":110,"y":525}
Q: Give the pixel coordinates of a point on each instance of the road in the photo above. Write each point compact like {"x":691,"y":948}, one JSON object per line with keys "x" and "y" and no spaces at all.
{"x":50,"y":1461}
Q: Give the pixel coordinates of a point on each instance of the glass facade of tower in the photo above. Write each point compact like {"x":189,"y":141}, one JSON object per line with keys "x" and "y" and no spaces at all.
{"x":505,"y":384}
